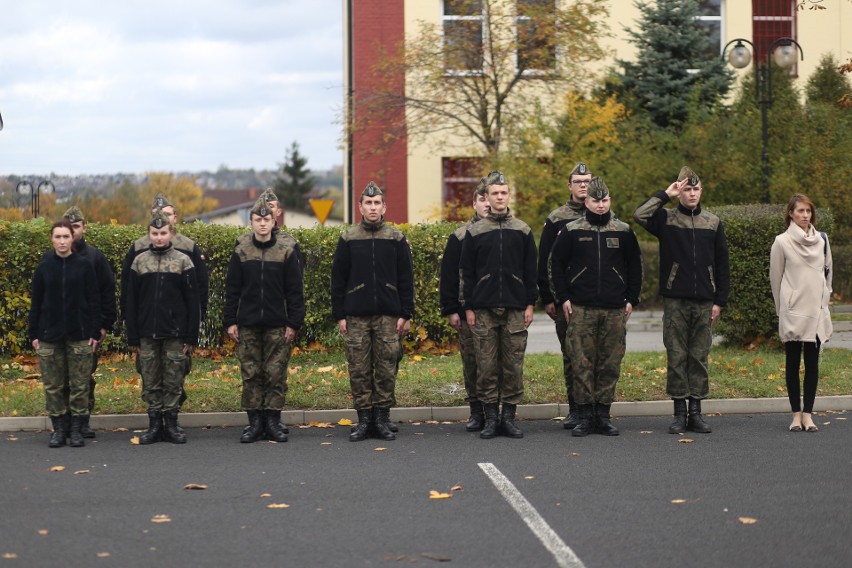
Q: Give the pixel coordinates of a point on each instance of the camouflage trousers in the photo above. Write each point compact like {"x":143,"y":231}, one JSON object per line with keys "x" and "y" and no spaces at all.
{"x":500,"y":340}
{"x":468,"y":357}
{"x":264,"y":356}
{"x":162,"y":364}
{"x":65,"y":365}
{"x":66,"y":392}
{"x":687,"y":337}
{"x":373,"y":351}
{"x":596,"y":340}
{"x":567,"y":372}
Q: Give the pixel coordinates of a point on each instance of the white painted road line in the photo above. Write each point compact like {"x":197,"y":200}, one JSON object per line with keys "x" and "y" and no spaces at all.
{"x":565,"y":557}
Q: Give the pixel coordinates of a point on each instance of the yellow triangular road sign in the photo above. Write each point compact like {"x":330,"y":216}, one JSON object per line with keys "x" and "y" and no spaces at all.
{"x":321,"y":207}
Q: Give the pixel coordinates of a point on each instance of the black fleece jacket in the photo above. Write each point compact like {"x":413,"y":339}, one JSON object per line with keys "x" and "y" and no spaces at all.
{"x":64,"y":301}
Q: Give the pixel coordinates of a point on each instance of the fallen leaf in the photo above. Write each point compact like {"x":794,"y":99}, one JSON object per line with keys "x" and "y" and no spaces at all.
{"x":381,"y":449}
{"x":344,"y":422}
{"x":325,"y":443}
{"x":685,"y":441}
{"x":195,"y":486}
{"x":646,"y":432}
{"x":438,"y":495}
{"x":431,"y":422}
{"x":839,"y":418}
{"x":456,"y":488}
{"x":325,"y":369}
{"x":573,"y":454}
{"x":43,"y":532}
{"x":558,"y":418}
{"x":266,"y":495}
{"x":277,"y":506}
{"x":12,"y":438}
{"x":747,"y":520}
{"x":81,"y":472}
{"x":161,"y":519}
{"x":103,"y":554}
{"x":120,"y":430}
{"x":418,"y":358}
{"x":58,"y":468}
{"x":435,"y":557}
{"x":678,"y":501}
{"x":9,"y":555}
{"x":134,"y":440}
{"x":529,"y":477}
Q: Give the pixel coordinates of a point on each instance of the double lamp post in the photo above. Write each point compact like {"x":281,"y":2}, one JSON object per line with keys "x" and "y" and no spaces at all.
{"x":26,"y":188}
{"x":784,"y":51}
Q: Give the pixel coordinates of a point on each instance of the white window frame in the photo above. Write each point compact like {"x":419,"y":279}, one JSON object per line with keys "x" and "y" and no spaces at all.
{"x":449,"y":18}
{"x":531,"y":72}
{"x":721,"y":19}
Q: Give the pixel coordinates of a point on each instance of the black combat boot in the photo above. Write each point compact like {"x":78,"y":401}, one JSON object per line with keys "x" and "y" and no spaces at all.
{"x":696,"y":423}
{"x":66,"y":424}
{"x":477,"y":417}
{"x":492,"y":420}
{"x":359,"y":430}
{"x":254,"y":431}
{"x":585,"y":420}
{"x":85,"y":429}
{"x":382,"y":416}
{"x":507,"y":421}
{"x":572,"y":419}
{"x":274,"y":431}
{"x":76,"y":434}
{"x":58,"y":437}
{"x":171,"y":430}
{"x":604,"y":426}
{"x":155,"y":428}
{"x":679,"y":424}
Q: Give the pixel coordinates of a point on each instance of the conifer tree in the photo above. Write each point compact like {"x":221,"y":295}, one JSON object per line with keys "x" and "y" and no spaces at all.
{"x":827,"y":84}
{"x":294,"y":181}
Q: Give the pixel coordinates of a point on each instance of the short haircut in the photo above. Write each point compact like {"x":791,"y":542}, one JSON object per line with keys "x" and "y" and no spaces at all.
{"x":791,"y":206}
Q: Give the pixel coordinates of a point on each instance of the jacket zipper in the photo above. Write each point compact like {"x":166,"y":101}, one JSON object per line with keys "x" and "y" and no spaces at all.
{"x":373,"y":258}
{"x":500,"y":223}
{"x":157,"y":293}
{"x":262,"y":270}
{"x":694,"y":257}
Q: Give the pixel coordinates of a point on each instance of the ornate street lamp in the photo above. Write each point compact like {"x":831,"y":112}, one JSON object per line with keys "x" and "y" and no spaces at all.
{"x":784,"y":53}
{"x":26,"y":188}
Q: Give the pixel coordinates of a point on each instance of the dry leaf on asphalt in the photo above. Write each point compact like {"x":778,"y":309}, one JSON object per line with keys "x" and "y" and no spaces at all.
{"x":381,"y":449}
{"x":646,"y":432}
{"x":12,"y":438}
{"x":9,"y":555}
{"x":435,"y":557}
{"x":678,"y":501}
{"x":573,"y":454}
{"x":685,"y":441}
{"x":134,"y":440}
{"x":43,"y":532}
{"x":195,"y":486}
{"x":161,"y":519}
{"x":103,"y":555}
{"x":456,"y":488}
{"x":344,"y":422}
{"x":266,"y":495}
{"x":438,"y":495}
{"x":325,"y":443}
{"x":58,"y":468}
{"x":747,"y":520}
{"x":529,"y":477}
{"x":277,"y":506}
{"x":81,"y":472}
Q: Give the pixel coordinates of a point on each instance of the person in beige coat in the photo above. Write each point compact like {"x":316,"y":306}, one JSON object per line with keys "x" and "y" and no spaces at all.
{"x":800,"y":272}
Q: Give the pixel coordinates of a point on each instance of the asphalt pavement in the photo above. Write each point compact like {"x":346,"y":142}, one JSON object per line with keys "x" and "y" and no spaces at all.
{"x":749,"y":494}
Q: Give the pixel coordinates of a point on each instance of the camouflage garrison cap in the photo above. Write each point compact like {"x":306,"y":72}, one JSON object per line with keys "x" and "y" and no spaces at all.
{"x":74,"y":215}
{"x":481,"y":188}
{"x":495,"y":177}
{"x":597,"y":189}
{"x":261,"y":207}
{"x":161,"y":201}
{"x":686,"y":172}
{"x":268,"y":195}
{"x":580,"y":169}
{"x":159,"y":220}
{"x":372,"y":190}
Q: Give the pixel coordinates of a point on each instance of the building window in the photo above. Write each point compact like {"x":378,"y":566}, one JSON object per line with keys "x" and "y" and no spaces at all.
{"x":710,"y":23}
{"x":771,"y":19}
{"x":536,"y":52}
{"x":462,"y":26}
{"x":459,"y":179}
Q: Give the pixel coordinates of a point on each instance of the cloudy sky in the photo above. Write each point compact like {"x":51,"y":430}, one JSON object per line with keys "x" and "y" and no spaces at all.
{"x":102,"y":86}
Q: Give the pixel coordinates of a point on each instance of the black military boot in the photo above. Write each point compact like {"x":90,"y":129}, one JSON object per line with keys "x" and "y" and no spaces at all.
{"x":492,"y":420}
{"x":155,"y":428}
{"x":585,"y":420}
{"x":76,"y":434}
{"x":359,"y":430}
{"x":507,"y":421}
{"x":679,"y":424}
{"x":382,"y":416}
{"x":58,"y":437}
{"x":85,"y":429}
{"x":604,"y":426}
{"x":171,"y":430}
{"x":66,"y":424}
{"x":274,"y":431}
{"x":572,"y":419}
{"x":696,"y":423}
{"x":477,"y":417}
{"x":254,"y":431}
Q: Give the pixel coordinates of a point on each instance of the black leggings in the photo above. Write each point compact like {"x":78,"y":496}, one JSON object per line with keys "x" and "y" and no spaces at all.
{"x":793,"y":350}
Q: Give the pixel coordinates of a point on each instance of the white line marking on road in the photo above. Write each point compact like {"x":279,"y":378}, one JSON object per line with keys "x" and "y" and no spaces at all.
{"x":565,"y":557}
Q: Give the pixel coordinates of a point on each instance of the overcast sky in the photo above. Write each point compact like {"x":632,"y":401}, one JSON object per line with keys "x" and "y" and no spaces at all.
{"x":103,"y":86}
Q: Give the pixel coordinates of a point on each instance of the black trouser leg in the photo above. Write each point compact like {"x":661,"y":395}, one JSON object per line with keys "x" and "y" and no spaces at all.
{"x":811,"y":375}
{"x":793,"y":352}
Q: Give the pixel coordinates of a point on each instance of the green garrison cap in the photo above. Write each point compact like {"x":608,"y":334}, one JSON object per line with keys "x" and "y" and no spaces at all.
{"x":580,"y":169}
{"x":686,"y":172}
{"x":161,"y":201}
{"x":159,"y":219}
{"x":481,"y":187}
{"x":597,"y":189}
{"x":495,"y":177}
{"x":268,"y":195}
{"x":372,"y":190}
{"x":74,"y":215}
{"x":261,"y":207}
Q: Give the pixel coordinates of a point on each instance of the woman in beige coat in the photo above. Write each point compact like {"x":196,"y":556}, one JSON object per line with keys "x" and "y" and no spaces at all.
{"x":800,"y":272}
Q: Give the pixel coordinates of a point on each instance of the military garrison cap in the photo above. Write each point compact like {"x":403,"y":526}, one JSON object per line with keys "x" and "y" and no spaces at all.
{"x":481,"y":188}
{"x":74,"y":215}
{"x":686,"y":172}
{"x":597,"y":189}
{"x":268,"y":195}
{"x":495,"y":177}
{"x":161,"y":201}
{"x":159,"y":219}
{"x":261,"y":207}
{"x":580,"y":169}
{"x":372,"y":190}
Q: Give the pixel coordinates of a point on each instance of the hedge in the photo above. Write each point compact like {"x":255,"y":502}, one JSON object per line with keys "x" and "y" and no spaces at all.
{"x":750,"y":315}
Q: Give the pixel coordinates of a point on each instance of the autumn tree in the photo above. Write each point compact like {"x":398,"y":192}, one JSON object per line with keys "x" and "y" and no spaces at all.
{"x":182,"y":191}
{"x":294,"y":181}
{"x":481,"y":73}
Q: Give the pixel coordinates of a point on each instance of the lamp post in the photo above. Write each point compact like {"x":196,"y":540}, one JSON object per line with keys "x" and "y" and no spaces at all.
{"x":784,"y":54}
{"x":26,"y":188}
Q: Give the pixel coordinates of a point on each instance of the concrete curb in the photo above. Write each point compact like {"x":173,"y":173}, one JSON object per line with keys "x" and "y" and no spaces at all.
{"x":436,"y":413}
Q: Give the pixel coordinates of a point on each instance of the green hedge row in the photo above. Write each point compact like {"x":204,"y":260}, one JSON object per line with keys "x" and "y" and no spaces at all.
{"x":751,"y":230}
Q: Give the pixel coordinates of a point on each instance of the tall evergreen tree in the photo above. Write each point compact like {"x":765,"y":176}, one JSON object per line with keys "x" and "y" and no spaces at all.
{"x":294,"y":180}
{"x":826,"y":84}
{"x":672,"y":62}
